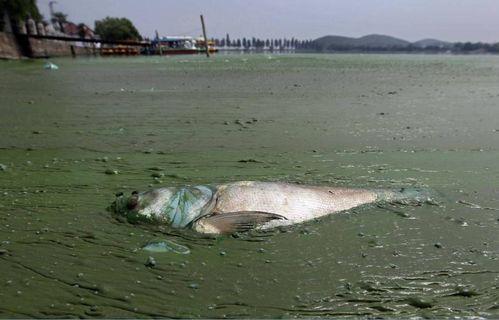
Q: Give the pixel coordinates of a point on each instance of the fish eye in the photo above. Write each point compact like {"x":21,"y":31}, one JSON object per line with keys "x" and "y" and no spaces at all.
{"x":132,"y":203}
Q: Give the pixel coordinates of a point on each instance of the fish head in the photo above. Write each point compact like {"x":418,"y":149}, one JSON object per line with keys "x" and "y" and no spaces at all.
{"x":142,"y":206}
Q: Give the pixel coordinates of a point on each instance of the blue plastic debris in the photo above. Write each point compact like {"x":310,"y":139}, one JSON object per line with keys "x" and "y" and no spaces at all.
{"x":166,"y":246}
{"x":50,"y":66}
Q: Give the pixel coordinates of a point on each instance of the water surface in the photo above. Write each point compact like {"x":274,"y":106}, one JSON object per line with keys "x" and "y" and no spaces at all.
{"x":374,"y":121}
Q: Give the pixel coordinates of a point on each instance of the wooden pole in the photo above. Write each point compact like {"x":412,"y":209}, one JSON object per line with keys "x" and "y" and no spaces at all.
{"x":205,"y":38}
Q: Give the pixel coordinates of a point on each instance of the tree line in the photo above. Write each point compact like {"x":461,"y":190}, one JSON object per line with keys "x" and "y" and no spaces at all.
{"x":313,"y":46}
{"x":257,"y":43}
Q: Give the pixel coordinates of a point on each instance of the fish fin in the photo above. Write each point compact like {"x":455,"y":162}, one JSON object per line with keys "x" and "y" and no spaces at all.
{"x":232,"y":222}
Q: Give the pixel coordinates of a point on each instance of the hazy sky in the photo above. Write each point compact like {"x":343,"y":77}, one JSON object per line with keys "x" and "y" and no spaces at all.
{"x":451,"y":20}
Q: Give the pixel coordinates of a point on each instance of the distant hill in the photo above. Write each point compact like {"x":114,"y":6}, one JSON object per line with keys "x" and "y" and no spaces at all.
{"x":375,"y":42}
{"x":381,"y":41}
{"x":426,"y":43}
{"x":339,"y":41}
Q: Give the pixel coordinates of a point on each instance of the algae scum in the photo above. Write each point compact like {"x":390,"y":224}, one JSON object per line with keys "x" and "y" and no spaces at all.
{"x":71,"y":138}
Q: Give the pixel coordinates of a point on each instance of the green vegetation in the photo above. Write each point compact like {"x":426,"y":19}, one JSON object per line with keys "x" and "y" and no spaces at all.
{"x":18,"y":10}
{"x":60,"y":17}
{"x":116,"y":29}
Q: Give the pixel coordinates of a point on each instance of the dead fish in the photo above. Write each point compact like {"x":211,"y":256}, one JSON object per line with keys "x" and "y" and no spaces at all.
{"x":246,"y":205}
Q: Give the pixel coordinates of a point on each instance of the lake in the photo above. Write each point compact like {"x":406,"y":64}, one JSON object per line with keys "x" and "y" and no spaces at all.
{"x":72,"y":138}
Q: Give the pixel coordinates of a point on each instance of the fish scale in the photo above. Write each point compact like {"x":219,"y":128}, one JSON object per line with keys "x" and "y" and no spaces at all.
{"x":296,"y":203}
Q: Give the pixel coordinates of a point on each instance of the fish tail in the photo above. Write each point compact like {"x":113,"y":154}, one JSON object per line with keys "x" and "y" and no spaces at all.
{"x":409,"y":196}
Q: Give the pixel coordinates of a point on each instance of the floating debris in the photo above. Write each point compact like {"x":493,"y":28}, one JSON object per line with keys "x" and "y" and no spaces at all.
{"x":50,"y":66}
{"x":420,"y":303}
{"x":110,"y":171}
{"x":151,"y":262}
{"x":155,"y":169}
{"x":475,"y":206}
{"x":166,"y":246}
{"x":469,"y":204}
{"x":382,"y":308}
{"x":157,"y":175}
{"x":250,"y":161}
{"x":466,"y":292}
{"x":3,"y":167}
{"x":174,"y":176}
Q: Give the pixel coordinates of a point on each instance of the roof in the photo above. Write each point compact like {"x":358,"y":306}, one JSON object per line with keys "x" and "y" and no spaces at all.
{"x":174,"y":38}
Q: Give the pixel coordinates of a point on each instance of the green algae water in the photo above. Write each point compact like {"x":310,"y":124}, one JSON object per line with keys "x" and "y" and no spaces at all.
{"x":72,"y":138}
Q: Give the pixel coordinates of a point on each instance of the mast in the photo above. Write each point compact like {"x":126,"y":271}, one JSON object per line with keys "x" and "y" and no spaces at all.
{"x":51,"y":7}
{"x":205,"y":38}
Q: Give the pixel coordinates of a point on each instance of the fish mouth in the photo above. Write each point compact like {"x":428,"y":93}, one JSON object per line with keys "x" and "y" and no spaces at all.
{"x":126,"y":206}
{"x":140,"y":207}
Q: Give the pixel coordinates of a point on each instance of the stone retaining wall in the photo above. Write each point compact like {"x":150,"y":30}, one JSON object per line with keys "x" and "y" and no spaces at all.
{"x":40,"y":48}
{"x":55,"y":48}
{"x":8,"y":46}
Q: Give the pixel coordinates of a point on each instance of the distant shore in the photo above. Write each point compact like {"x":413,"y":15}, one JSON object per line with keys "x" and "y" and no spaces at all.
{"x":12,"y":48}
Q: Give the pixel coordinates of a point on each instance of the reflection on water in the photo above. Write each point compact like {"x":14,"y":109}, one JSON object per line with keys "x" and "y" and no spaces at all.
{"x":75,"y":138}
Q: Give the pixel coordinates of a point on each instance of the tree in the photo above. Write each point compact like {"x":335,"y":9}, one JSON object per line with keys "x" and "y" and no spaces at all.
{"x":60,"y":19}
{"x":82,"y":30}
{"x":116,"y":29}
{"x":18,"y":10}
